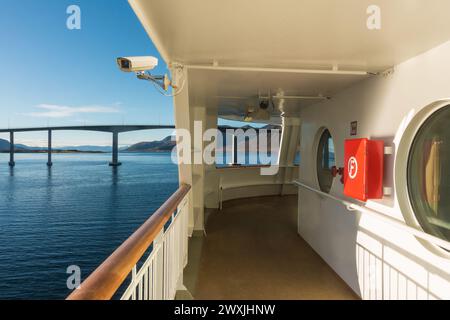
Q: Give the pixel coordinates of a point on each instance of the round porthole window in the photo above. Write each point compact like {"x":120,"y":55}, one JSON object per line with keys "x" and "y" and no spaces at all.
{"x":325,"y":161}
{"x":428,"y":174}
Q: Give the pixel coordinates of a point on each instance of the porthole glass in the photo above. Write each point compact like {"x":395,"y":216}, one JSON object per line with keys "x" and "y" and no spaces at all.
{"x":429,"y":174}
{"x":325,"y":161}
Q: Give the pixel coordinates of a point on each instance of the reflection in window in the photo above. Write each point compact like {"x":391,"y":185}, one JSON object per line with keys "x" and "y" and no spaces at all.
{"x":297,"y":159}
{"x":248,"y":151}
{"x":325,"y":161}
{"x":428,"y":174}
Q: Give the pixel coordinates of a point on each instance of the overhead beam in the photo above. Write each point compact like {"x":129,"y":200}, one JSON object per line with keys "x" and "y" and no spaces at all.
{"x":333,"y":71}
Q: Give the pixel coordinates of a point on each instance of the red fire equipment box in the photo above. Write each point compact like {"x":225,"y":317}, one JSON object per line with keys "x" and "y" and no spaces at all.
{"x":363,"y":169}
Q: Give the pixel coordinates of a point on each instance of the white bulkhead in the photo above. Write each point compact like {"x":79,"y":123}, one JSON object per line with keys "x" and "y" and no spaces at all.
{"x":376,"y":259}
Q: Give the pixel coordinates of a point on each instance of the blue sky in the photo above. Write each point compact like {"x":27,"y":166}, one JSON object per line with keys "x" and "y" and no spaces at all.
{"x":53,"y":75}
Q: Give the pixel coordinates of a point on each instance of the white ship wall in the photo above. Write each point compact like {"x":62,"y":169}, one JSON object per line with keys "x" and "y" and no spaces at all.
{"x":378,"y":261}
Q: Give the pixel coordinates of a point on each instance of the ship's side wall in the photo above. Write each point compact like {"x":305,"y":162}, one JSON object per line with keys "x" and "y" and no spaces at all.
{"x":376,"y":260}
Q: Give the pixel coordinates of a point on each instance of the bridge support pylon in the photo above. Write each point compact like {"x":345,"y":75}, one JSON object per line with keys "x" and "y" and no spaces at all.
{"x":49,"y":162}
{"x":115,"y":151}
{"x":11,"y":149}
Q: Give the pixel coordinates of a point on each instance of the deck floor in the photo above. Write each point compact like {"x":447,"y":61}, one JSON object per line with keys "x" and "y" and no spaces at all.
{"x":253,"y":251}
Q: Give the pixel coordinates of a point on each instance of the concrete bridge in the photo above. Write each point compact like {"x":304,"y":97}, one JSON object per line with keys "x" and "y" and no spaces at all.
{"x":114,"y":129}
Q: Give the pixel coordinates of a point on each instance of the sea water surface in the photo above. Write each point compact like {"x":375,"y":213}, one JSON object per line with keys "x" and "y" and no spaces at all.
{"x":75,"y":213}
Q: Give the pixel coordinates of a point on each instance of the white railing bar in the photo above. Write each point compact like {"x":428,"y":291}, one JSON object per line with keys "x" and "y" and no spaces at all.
{"x":137,"y":289}
{"x":138,"y":275}
{"x":381,"y":216}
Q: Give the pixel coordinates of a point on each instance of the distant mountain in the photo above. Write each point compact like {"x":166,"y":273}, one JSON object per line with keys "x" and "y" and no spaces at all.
{"x":165,"y":145}
{"x":4,"y":145}
{"x":27,"y":148}
{"x":88,"y":148}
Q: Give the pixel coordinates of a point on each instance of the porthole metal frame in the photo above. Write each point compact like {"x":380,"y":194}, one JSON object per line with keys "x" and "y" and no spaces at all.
{"x":318,"y":139}
{"x":412,"y":126}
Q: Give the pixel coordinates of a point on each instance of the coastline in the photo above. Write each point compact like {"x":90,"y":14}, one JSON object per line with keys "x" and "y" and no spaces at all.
{"x":53,"y":151}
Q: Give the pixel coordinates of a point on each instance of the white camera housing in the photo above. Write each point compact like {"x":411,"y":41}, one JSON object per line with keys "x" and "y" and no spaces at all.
{"x":137,"y":64}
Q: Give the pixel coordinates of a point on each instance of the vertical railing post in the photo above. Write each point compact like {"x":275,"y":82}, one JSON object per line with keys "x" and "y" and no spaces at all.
{"x":11,"y":149}
{"x":159,"y":266}
{"x":133,"y":280}
{"x":235,"y":150}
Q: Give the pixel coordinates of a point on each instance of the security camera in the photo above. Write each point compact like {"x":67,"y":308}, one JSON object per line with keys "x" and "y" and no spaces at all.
{"x":264,"y":104}
{"x":141,"y":66}
{"x":137,"y":64}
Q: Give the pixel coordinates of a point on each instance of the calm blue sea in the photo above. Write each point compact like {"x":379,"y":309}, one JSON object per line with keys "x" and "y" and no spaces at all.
{"x":75,"y":213}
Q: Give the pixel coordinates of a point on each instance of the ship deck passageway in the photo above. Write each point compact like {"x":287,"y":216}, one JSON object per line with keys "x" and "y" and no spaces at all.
{"x":253,"y":251}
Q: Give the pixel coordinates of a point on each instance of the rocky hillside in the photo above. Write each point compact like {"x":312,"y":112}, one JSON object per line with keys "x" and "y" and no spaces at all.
{"x":165,"y":145}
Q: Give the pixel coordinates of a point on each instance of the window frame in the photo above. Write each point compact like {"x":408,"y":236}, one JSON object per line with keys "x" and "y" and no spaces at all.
{"x":319,"y":160}
{"x":238,"y":165}
{"x":405,"y":136}
{"x":421,"y":210}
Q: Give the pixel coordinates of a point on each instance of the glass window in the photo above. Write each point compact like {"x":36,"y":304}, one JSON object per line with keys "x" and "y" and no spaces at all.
{"x":429,"y":174}
{"x":297,"y":159}
{"x":325,"y":161}
{"x":248,"y":152}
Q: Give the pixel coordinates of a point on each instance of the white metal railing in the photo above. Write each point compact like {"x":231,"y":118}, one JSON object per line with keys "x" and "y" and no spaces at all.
{"x":380,"y":280}
{"x":380,"y":216}
{"x":164,"y":237}
{"x":162,"y":272}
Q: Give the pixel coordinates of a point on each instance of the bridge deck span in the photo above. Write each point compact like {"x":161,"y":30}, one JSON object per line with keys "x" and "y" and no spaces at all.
{"x":100,"y":128}
{"x":114,"y":129}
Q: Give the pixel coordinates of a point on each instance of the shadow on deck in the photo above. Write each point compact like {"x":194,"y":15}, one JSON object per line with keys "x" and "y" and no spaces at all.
{"x":253,"y":251}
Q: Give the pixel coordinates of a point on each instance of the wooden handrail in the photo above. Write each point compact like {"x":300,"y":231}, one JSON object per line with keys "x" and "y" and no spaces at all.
{"x":103,"y":283}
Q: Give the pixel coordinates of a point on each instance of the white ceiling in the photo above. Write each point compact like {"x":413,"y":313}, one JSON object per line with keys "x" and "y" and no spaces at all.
{"x":234,"y":91}
{"x":288,"y":34}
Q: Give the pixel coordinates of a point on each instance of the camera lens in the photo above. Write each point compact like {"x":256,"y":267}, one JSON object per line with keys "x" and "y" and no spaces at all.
{"x":125,"y":64}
